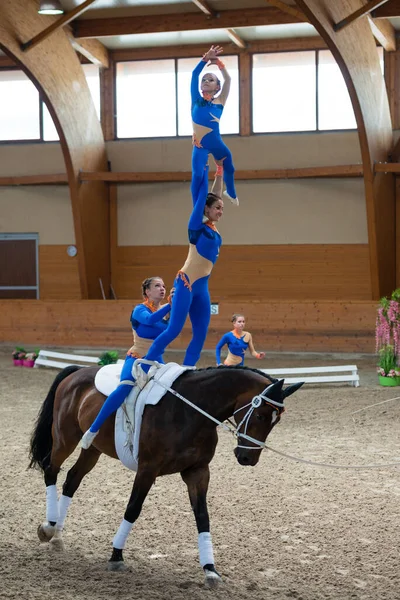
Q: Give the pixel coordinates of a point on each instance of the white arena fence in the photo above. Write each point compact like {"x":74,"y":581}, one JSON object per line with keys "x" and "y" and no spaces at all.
{"x":348,"y":373}
{"x":60,"y":360}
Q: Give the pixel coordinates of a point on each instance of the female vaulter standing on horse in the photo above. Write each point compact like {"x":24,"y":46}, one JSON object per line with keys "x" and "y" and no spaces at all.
{"x":190,"y":289}
{"x":148,"y":321}
{"x":206,"y":113}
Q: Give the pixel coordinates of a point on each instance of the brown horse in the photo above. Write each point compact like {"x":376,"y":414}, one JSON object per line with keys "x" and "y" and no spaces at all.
{"x":174,"y":438}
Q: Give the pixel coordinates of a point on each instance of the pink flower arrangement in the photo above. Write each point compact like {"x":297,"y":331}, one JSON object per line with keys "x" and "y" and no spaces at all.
{"x":387,"y":335}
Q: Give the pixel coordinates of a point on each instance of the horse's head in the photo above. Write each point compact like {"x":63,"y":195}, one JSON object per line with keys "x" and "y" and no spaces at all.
{"x":256,"y":419}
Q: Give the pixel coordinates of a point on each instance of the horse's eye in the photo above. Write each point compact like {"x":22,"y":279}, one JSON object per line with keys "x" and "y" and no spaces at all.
{"x":261,"y":418}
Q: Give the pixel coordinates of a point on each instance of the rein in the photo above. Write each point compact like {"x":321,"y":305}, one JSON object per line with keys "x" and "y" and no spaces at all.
{"x":255,"y":403}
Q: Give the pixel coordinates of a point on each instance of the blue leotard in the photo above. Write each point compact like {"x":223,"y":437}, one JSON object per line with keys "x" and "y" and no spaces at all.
{"x":208,"y":114}
{"x":236,"y":346}
{"x":147,"y":324}
{"x":191,"y":287}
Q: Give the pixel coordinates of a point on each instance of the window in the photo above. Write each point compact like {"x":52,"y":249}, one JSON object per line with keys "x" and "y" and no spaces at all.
{"x":19,"y":107}
{"x":153,"y":98}
{"x":230,"y":119}
{"x":284,"y":92}
{"x":335,"y":110}
{"x":286,"y":96}
{"x":146,"y":99}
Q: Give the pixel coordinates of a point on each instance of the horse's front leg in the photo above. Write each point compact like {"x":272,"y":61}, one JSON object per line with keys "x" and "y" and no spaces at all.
{"x":143,"y":481}
{"x":197,"y":479}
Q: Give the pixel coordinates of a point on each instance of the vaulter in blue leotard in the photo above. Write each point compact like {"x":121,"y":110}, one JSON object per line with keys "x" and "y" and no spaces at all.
{"x":207,"y":109}
{"x":191,"y":284}
{"x":237,"y":341}
{"x":191,"y":294}
{"x":148,"y":320}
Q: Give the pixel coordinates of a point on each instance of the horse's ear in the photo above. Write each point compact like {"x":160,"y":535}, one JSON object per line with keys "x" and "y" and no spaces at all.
{"x":274,"y":391}
{"x":292,"y":389}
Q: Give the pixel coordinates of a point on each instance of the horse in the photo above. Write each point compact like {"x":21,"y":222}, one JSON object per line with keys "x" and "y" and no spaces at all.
{"x":174,"y":438}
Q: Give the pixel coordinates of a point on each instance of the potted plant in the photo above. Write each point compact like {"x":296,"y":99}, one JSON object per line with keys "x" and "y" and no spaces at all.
{"x":387,"y":335}
{"x":388,"y":370}
{"x":30,"y":357}
{"x":18,"y":355}
{"x":108,"y":358}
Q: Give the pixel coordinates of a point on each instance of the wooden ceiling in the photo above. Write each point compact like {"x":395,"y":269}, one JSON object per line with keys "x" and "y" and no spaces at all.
{"x":146,"y":23}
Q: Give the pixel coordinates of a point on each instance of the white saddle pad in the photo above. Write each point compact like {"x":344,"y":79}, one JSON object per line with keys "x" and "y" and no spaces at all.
{"x":129,"y":416}
{"x":107,"y":378}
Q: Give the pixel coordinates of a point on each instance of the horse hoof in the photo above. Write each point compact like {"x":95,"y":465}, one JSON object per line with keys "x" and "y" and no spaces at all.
{"x":57,"y":544}
{"x":213,"y":580}
{"x":117,"y":565}
{"x":45,"y":532}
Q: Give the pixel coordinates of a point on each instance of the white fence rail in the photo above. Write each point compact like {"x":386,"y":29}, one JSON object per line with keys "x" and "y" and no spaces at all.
{"x":318,"y":374}
{"x":60,"y":360}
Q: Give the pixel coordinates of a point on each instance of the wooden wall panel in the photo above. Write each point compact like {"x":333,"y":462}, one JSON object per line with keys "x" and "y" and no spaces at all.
{"x":301,"y":272}
{"x":58,"y":274}
{"x":276,"y":326}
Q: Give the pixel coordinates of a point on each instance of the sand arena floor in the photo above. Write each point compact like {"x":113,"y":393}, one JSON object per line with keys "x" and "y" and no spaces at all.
{"x":280,"y":530}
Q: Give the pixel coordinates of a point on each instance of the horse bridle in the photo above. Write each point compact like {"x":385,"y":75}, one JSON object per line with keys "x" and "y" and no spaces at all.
{"x":256,"y":402}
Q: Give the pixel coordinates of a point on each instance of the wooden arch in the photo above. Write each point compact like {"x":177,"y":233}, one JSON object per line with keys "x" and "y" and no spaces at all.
{"x":354,"y":49}
{"x":56,"y":71}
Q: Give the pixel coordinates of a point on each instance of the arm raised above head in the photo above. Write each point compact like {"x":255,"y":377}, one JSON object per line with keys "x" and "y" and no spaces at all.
{"x":199,"y":203}
{"x":226,"y":86}
{"x":194,"y":83}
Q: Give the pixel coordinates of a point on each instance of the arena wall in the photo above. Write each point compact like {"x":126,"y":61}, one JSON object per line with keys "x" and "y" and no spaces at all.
{"x":301,"y":239}
{"x":287,"y":325}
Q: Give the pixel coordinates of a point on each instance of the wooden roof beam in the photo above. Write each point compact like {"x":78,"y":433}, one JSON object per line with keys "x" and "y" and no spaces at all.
{"x":161,"y":177}
{"x":227,"y":19}
{"x":290,"y":10}
{"x":388,"y":10}
{"x":93,"y":50}
{"x":361,"y":12}
{"x":205,"y":8}
{"x":383,"y":31}
{"x":57,"y":24}
{"x":236,"y":39}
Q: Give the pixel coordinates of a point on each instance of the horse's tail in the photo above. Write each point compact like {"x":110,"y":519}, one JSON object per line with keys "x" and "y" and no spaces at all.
{"x":41,"y":439}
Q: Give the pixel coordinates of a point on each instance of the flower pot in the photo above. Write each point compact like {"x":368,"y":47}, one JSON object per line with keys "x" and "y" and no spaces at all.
{"x":28,"y":363}
{"x":18,"y":362}
{"x":389,"y":381}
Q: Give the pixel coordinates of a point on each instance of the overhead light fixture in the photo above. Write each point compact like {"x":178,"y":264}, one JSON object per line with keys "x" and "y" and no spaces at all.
{"x":50,"y":7}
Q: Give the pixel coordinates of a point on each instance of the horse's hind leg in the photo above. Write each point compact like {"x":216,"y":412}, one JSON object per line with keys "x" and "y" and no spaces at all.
{"x":51,"y":466}
{"x":197,"y":479}
{"x":85,"y":463}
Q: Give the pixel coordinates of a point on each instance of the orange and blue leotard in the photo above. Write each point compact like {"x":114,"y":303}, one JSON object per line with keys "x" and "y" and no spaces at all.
{"x":191,"y":295}
{"x":236,"y":347}
{"x":147,"y":323}
{"x":207,"y":139}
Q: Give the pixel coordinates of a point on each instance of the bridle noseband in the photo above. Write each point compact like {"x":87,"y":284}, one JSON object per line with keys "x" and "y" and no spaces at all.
{"x":256,"y":402}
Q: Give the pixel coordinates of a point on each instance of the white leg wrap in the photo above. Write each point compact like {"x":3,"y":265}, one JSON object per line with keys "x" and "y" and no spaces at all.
{"x":51,"y":504}
{"x":206,"y":554}
{"x":122,"y":534}
{"x":63,"y":505}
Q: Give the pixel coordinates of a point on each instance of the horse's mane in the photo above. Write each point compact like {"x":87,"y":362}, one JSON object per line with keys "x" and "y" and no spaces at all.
{"x":240,"y":368}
